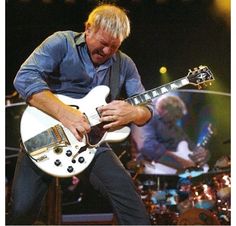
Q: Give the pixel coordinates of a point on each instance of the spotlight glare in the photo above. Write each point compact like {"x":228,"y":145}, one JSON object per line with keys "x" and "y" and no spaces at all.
{"x":163,"y":70}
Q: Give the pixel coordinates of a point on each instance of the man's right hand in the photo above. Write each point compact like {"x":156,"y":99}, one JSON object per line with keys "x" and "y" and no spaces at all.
{"x":75,"y":121}
{"x":71,"y":118}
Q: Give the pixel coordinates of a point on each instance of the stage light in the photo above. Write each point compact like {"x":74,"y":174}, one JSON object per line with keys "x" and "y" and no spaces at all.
{"x":163,"y":70}
{"x":222,"y":9}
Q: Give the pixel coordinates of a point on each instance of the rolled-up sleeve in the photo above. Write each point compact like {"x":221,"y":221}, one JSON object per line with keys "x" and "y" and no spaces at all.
{"x":32,"y":75}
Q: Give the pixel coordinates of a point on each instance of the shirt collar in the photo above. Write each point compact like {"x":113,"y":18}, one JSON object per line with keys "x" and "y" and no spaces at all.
{"x":80,"y":39}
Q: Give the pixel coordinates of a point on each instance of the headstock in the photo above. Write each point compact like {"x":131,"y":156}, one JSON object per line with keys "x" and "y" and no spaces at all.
{"x":200,"y":75}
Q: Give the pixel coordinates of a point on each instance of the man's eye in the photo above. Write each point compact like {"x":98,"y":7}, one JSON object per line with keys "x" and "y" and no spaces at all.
{"x":104,"y":44}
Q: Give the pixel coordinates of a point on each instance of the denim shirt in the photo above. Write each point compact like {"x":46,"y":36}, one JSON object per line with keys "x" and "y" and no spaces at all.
{"x":62,"y":64}
{"x":156,"y":137}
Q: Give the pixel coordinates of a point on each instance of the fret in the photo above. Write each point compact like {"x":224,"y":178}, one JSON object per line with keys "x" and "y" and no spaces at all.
{"x":155,"y":93}
{"x":148,"y":95}
{"x":130,"y":101}
{"x":140,"y":99}
{"x":136,"y":100}
{"x":164,"y":89}
{"x":175,"y":86}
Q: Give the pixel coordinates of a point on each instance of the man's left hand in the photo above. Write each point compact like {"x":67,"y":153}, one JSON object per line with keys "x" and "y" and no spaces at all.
{"x":117,"y":113}
{"x":200,"y":156}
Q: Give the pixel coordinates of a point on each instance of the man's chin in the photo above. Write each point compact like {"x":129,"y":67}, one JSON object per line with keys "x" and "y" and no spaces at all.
{"x":98,"y":60}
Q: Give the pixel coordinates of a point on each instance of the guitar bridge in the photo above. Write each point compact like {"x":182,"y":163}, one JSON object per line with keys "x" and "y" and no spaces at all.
{"x":52,"y":137}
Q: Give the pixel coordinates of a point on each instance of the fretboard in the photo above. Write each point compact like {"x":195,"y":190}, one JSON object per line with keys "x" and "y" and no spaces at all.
{"x":153,"y":93}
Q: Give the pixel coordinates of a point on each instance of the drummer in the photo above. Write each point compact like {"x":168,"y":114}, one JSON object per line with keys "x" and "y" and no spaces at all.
{"x":183,"y":191}
{"x":162,"y":134}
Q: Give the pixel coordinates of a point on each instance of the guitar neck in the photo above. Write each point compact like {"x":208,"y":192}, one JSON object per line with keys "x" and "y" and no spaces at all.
{"x":206,"y":134}
{"x":153,"y":93}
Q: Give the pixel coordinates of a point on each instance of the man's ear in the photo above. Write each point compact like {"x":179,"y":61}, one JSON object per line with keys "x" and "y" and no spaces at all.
{"x":88,"y":29}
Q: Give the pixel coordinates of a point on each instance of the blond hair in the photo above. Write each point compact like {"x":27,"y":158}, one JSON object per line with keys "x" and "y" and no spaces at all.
{"x":111,"y":19}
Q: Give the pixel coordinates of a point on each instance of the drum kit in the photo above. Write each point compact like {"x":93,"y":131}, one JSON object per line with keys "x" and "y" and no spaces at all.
{"x":208,"y":194}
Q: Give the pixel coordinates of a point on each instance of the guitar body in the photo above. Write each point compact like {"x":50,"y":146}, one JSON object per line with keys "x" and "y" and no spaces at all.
{"x":171,"y":166}
{"x":35,"y":122}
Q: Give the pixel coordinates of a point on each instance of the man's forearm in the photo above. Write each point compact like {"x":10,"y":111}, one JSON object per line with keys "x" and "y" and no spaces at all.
{"x":47,"y":102}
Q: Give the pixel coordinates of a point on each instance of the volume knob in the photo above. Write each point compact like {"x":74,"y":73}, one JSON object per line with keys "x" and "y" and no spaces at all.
{"x":70,"y":169}
{"x":81,"y":159}
{"x":57,"y":162}
{"x":68,"y":153}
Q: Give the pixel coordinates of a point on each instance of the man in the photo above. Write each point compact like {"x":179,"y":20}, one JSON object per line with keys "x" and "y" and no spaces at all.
{"x":72,"y":64}
{"x":162,"y":136}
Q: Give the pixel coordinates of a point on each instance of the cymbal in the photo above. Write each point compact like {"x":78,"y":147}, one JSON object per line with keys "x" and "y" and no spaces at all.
{"x":149,"y":182}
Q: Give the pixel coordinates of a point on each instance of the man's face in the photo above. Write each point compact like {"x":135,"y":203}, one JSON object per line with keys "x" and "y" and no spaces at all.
{"x":169,"y":114}
{"x":101,"y":45}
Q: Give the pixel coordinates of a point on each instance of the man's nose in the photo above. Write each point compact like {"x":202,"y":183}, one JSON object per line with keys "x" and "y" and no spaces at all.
{"x":107,"y":50}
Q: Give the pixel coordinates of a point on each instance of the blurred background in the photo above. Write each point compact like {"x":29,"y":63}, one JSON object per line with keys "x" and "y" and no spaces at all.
{"x":168,"y":37}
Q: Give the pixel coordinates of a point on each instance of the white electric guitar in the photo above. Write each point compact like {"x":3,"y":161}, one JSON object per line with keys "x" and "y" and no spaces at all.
{"x":179,"y":162}
{"x":55,"y":150}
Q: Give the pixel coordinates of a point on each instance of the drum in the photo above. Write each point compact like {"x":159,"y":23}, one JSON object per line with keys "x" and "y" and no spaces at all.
{"x":222,"y":185}
{"x":171,"y":197}
{"x":197,"y":216}
{"x":167,"y":218}
{"x":203,"y":196}
{"x":168,"y":197}
{"x":158,"y":197}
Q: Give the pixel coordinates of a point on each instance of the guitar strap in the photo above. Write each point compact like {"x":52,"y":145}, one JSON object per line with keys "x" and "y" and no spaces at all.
{"x":113,"y":80}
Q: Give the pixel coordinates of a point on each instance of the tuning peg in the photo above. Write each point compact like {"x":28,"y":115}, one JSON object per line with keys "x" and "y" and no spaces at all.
{"x":210,"y":83}
{"x":200,"y":66}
